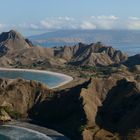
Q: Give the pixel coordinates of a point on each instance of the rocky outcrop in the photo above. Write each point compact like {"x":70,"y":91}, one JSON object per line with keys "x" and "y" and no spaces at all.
{"x":13,"y":40}
{"x":96,"y":108}
{"x":18,"y":96}
{"x":68,"y":104}
{"x":93,"y":54}
{"x":77,"y":107}
{"x":16,"y":51}
{"x":120,"y":110}
{"x":111,"y":108}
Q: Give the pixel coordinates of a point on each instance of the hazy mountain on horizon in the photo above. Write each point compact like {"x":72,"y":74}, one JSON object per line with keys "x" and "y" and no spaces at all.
{"x":125,"y":40}
{"x":87,"y":36}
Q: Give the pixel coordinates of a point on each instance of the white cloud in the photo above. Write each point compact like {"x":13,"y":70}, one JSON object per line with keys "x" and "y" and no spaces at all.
{"x":66,"y":22}
{"x":134,"y":18}
{"x":110,"y":17}
{"x":33,"y":26}
{"x":92,"y":22}
{"x":47,"y":24}
{"x":105,"y":25}
{"x":58,"y":23}
{"x":2,"y":25}
{"x":133,"y":25}
{"x":105,"y":22}
{"x":87,"y":25}
{"x":66,"y":18}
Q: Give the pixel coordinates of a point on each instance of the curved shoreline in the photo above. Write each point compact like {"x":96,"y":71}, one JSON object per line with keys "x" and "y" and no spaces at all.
{"x":66,"y":78}
{"x":53,"y":134}
{"x":29,"y":130}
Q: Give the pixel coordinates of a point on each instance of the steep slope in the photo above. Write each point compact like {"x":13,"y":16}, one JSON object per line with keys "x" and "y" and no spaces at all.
{"x":98,"y":108}
{"x":13,"y":40}
{"x":15,"y":50}
{"x":120,"y":110}
{"x":93,"y":54}
{"x":18,"y":96}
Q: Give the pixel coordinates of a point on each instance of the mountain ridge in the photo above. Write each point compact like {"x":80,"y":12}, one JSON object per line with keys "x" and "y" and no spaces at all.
{"x":101,"y":103}
{"x":16,"y":49}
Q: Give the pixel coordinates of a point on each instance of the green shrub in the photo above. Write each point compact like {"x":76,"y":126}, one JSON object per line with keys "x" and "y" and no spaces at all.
{"x":13,"y":114}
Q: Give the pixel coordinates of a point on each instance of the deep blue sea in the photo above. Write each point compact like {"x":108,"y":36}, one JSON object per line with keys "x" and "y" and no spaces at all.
{"x":130,"y":49}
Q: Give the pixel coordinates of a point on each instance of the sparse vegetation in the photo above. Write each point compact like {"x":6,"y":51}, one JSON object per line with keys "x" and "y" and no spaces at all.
{"x":13,"y":114}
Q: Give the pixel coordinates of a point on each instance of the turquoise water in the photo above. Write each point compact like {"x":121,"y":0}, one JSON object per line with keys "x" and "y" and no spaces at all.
{"x":19,"y":133}
{"x":49,"y":79}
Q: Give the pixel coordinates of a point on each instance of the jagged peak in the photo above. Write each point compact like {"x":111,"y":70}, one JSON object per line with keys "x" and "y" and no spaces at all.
{"x":12,"y":34}
{"x":13,"y":31}
{"x":17,"y":41}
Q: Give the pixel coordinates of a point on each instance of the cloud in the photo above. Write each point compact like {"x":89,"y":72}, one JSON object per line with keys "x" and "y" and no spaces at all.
{"x":134,"y":18}
{"x":2,"y":26}
{"x":66,"y":18}
{"x":133,"y":23}
{"x":66,"y":22}
{"x":105,"y":22}
{"x":33,"y":26}
{"x":91,"y":22}
{"x":87,"y":25}
{"x":110,"y":17}
{"x":58,"y":23}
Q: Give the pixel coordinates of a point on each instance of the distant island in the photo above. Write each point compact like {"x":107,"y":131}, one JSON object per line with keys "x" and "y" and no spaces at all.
{"x":126,"y":40}
{"x":100,"y":103}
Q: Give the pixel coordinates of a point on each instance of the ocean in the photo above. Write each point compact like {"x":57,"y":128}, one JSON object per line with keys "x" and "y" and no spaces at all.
{"x":130,"y":49}
{"x":20,"y":133}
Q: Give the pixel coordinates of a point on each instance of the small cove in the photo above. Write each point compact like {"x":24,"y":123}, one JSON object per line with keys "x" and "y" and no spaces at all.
{"x":51,"y":79}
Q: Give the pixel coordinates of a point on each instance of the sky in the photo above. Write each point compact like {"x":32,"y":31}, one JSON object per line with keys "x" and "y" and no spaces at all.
{"x":38,"y":16}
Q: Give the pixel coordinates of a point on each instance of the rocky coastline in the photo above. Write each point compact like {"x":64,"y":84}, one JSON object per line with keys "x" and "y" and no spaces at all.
{"x":100,"y":103}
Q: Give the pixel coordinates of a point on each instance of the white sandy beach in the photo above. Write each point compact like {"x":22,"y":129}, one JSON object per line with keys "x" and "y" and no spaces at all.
{"x":66,"y":78}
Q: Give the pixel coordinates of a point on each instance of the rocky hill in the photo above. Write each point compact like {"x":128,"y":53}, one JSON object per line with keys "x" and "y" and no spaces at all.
{"x":101,"y":103}
{"x":93,"y":54}
{"x":18,"y":96}
{"x":97,"y":108}
{"x":15,"y":51}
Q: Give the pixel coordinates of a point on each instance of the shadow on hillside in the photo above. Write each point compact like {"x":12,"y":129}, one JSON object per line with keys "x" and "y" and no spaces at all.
{"x":120,"y":111}
{"x":63,"y":112}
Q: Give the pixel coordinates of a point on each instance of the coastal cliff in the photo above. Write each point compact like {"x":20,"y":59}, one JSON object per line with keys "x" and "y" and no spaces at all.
{"x":18,"y":96}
